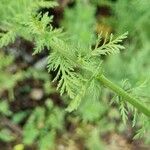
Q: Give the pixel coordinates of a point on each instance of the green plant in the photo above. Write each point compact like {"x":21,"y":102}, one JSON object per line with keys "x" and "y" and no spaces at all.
{"x":72,"y":24}
{"x":20,"y":21}
{"x":79,"y":66}
{"x":42,"y":126}
{"x":137,"y":54}
{"x":10,"y":121}
{"x":66,"y":58}
{"x":7,"y":79}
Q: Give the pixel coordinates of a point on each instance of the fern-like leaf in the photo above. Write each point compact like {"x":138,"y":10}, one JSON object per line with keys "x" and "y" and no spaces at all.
{"x":111,"y":46}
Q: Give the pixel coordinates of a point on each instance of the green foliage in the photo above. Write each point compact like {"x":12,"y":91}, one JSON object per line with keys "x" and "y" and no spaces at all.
{"x":21,"y":20}
{"x":65,"y":58}
{"x":93,"y":141}
{"x":144,"y":131}
{"x":6,"y":136}
{"x":134,"y":8}
{"x":77,"y":22}
{"x":42,"y":125}
{"x":7,"y":79}
{"x":4,"y":108}
{"x":91,"y":107}
{"x":77,"y":60}
{"x":109,"y":46}
{"x":134,"y":64}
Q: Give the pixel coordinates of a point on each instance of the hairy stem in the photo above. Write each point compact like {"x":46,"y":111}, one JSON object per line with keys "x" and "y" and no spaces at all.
{"x":126,"y":96}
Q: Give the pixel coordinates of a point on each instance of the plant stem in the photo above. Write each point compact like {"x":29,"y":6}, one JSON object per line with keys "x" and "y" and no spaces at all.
{"x":126,"y":96}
